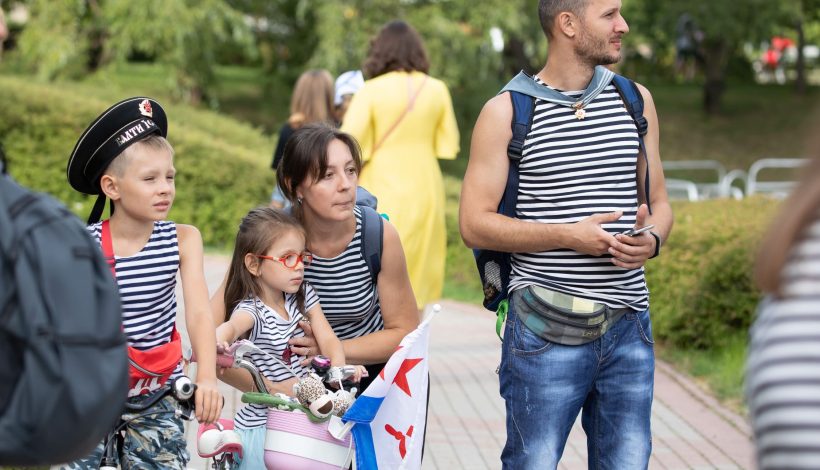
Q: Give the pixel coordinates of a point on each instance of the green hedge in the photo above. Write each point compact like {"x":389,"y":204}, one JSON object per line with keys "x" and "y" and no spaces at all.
{"x":701,"y":291}
{"x":222,"y":164}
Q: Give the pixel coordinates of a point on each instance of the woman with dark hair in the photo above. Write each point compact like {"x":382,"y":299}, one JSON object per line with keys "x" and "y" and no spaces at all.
{"x":783,"y":366}
{"x":318,"y":175}
{"x":404,"y":120}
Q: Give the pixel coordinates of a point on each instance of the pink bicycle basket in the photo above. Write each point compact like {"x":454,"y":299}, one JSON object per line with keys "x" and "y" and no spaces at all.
{"x":293,"y":442}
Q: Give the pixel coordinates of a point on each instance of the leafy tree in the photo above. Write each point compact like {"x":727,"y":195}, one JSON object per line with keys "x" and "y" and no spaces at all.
{"x":725,"y":24}
{"x":286,"y":32}
{"x":800,"y":13}
{"x":456,"y":33}
{"x":73,"y":38}
{"x":186,"y":35}
{"x":56,"y":41}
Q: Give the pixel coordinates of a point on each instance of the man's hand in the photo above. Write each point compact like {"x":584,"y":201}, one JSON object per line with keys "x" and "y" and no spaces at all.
{"x":305,"y":345}
{"x":589,"y":238}
{"x":632,"y":252}
{"x":208,"y":401}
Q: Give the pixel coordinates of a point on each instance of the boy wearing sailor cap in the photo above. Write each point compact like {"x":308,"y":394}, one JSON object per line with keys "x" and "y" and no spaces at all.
{"x":124,"y":156}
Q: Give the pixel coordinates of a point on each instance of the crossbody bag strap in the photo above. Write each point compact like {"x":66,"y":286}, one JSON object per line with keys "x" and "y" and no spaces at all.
{"x":108,"y":252}
{"x":108,"y":247}
{"x":410,"y":102}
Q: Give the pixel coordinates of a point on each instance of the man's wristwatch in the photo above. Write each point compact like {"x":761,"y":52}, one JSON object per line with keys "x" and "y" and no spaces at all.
{"x":657,"y":244}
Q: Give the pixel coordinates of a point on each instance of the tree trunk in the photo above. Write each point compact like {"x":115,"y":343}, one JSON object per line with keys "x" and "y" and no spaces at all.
{"x":800,"y":81}
{"x":715,"y":59}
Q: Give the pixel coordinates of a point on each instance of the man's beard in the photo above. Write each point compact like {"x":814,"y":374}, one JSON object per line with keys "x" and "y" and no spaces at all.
{"x":594,"y":51}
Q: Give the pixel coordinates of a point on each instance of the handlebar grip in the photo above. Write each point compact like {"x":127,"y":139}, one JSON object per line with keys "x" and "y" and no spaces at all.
{"x":225,"y":361}
{"x":181,"y":388}
{"x":340,"y":373}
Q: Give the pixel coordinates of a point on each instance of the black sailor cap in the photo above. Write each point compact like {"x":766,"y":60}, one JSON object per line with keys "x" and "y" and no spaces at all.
{"x":121,"y":125}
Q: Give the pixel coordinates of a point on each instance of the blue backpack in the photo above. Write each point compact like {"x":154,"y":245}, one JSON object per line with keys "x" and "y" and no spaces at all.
{"x":494,"y":267}
{"x":372,"y":232}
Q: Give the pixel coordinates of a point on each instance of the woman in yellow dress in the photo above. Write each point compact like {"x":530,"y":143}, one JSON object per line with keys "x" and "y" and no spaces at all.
{"x":404,"y":120}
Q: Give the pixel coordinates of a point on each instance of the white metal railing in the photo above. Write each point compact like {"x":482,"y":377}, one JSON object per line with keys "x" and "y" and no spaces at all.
{"x":702,"y":190}
{"x":779,"y":188}
{"x":727,"y":188}
{"x":682,"y":189}
{"x":726,"y":184}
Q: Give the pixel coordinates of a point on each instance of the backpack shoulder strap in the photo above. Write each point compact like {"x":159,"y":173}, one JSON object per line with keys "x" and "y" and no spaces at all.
{"x":372,"y":240}
{"x":523,"y":107}
{"x":633,"y":100}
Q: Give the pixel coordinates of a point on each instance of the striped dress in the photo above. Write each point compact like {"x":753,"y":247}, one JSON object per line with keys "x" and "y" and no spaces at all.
{"x":147,"y":282}
{"x":571,"y":169}
{"x":783,"y":368}
{"x":350,"y":299}
{"x":271,"y":333}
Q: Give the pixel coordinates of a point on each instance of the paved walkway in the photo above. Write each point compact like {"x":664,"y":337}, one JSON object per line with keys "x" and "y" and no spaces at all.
{"x":691,"y":430}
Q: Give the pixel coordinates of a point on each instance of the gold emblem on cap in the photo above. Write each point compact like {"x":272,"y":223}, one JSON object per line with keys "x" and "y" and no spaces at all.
{"x":145,"y":108}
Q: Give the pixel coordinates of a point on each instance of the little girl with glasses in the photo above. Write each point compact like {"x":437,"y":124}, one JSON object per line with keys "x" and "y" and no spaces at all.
{"x":267,"y":298}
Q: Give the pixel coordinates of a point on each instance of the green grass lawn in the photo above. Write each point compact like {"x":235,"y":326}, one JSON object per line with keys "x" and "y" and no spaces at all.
{"x":720,"y":370}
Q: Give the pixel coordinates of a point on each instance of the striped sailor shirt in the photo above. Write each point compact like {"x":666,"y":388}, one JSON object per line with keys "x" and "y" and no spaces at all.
{"x":571,"y":169}
{"x":147,"y":281}
{"x":349,"y":298}
{"x":271,"y":333}
{"x":783,"y":367}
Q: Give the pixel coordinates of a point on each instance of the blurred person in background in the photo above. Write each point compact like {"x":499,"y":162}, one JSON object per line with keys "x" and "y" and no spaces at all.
{"x":403,"y":118}
{"x":311,"y":102}
{"x":4,"y":30}
{"x":347,"y":84}
{"x":783,"y":365}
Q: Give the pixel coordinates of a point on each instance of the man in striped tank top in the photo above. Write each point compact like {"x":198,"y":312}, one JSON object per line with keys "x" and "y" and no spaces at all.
{"x":571,"y":264}
{"x":124,"y":156}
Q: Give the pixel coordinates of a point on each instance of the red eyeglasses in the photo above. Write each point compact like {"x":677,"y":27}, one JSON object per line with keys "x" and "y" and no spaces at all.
{"x":290,"y":260}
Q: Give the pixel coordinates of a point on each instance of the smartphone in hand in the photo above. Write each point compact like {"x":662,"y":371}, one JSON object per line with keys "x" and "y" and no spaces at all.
{"x":637,"y":231}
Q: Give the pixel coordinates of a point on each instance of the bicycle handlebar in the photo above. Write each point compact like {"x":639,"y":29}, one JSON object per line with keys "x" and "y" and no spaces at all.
{"x":234,"y":358}
{"x":181,"y":388}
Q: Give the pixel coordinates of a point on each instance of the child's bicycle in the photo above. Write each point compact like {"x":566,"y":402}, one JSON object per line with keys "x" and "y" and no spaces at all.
{"x":181,"y":388}
{"x":297,"y":434}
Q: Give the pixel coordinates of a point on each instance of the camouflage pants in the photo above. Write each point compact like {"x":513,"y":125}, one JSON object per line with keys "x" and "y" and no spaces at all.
{"x":156,"y":441}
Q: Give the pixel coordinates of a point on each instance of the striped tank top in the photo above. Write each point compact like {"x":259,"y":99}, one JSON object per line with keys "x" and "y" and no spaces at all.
{"x":571,"y":169}
{"x":783,"y":367}
{"x":271,"y":333}
{"x":349,"y":298}
{"x":146,"y":282}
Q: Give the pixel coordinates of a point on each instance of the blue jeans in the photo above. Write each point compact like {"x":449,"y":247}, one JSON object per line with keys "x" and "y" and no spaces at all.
{"x":545,"y":385}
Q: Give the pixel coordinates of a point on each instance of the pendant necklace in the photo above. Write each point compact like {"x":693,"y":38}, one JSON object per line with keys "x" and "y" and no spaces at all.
{"x":579,"y":110}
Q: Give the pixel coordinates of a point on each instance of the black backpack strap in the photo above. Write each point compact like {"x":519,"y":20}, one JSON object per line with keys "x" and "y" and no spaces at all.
{"x":633,"y":100}
{"x":372,"y":240}
{"x":523,"y":107}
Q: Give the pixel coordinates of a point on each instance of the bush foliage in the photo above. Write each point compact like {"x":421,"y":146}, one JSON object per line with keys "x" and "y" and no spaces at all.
{"x":701,"y":291}
{"x":222,"y":165}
